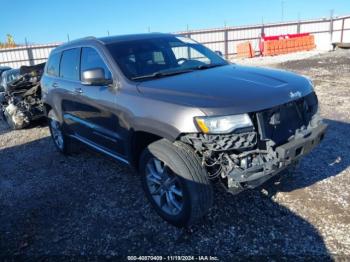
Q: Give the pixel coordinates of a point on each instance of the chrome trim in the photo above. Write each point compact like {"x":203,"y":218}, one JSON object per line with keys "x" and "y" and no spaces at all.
{"x":93,"y":145}
{"x":104,"y":136}
{"x":96,"y":129}
{"x":79,"y":120}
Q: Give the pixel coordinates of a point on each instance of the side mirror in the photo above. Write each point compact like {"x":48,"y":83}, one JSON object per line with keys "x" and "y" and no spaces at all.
{"x":219,"y":53}
{"x":95,"y":77}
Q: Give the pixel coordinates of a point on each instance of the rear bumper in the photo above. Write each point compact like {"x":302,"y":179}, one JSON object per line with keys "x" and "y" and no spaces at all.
{"x":285,"y":156}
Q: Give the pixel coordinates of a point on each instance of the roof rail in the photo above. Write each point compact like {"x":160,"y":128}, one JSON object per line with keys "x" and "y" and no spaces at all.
{"x":77,"y":41}
{"x":83,"y":38}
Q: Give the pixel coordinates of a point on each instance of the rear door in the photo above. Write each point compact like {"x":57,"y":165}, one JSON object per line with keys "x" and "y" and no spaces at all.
{"x":72,"y":100}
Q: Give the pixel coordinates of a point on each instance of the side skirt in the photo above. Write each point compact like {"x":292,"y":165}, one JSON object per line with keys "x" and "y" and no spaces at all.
{"x":99,"y":148}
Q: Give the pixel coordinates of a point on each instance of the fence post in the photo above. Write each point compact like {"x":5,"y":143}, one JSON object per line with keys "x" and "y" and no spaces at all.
{"x":226,"y":43}
{"x":262,"y":34}
{"x":298,"y":27}
{"x":342,"y":30}
{"x":30,"y":56}
{"x":188,"y":49}
{"x":30,"y":53}
{"x":331,"y":27}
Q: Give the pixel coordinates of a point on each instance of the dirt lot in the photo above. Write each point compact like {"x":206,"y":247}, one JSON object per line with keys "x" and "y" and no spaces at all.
{"x":86,"y":204}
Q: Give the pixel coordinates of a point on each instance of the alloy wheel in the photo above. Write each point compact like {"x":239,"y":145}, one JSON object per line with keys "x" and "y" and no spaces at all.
{"x":164,"y":187}
{"x":57,"y":133}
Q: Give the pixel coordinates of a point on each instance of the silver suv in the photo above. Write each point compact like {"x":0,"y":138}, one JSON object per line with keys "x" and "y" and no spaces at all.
{"x":180,"y":114}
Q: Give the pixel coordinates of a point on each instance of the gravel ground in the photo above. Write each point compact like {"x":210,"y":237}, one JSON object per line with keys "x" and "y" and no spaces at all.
{"x":87,"y":204}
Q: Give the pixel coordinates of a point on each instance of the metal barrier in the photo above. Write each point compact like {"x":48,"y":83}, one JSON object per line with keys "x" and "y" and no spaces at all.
{"x":25,"y":55}
{"x":225,"y":40}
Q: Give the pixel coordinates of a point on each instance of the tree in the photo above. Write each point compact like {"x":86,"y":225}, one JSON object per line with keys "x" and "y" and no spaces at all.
{"x":9,"y":42}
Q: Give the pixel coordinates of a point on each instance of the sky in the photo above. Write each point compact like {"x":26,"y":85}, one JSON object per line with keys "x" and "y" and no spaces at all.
{"x":45,"y":21}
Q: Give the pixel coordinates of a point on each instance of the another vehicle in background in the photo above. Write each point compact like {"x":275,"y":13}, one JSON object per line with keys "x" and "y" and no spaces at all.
{"x":20,"y":103}
{"x":7,"y":77}
{"x":2,"y":70}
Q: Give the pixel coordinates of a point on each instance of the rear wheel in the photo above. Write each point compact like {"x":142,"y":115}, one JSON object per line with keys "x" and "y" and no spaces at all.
{"x":175,"y":182}
{"x":60,"y":139}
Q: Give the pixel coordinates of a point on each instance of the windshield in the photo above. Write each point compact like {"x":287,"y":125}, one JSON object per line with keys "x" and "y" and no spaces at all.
{"x":164,"y":56}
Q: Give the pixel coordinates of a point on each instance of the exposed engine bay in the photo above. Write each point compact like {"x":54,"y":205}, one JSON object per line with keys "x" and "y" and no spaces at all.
{"x":21,"y":102}
{"x":247,"y":158}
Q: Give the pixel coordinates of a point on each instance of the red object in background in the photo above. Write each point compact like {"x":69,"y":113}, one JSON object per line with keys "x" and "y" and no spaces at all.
{"x":297,"y":35}
{"x":277,"y":37}
{"x":245,"y":50}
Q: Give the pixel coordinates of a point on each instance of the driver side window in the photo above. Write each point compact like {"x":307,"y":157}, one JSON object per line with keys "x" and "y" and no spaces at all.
{"x":90,"y":59}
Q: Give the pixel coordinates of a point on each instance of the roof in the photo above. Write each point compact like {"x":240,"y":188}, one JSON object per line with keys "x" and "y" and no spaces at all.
{"x":112,"y":39}
{"x":122,"y":38}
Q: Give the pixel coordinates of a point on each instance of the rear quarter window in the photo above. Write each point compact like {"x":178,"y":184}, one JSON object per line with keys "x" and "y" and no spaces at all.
{"x":53,"y":64}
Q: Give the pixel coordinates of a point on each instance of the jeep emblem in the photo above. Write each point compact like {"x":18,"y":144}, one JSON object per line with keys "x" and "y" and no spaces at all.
{"x":296,"y":94}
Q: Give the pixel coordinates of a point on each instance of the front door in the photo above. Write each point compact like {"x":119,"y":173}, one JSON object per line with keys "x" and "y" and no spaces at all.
{"x":99,"y":102}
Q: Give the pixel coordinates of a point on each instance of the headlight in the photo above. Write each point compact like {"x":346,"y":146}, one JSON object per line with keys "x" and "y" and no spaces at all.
{"x":310,"y":81}
{"x":223,"y":124}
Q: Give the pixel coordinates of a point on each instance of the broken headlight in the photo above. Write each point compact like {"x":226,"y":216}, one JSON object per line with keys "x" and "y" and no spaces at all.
{"x":223,"y":124}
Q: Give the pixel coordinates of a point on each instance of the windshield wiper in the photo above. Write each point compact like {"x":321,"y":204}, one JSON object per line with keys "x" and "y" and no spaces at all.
{"x":162,"y":74}
{"x":177,"y":72}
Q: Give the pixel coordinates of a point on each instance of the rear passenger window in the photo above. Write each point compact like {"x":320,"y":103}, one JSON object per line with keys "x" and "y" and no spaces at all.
{"x":69,"y":68}
{"x":53,"y":64}
{"x":90,"y":59}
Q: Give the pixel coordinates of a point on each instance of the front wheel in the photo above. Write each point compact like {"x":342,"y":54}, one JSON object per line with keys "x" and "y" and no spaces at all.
{"x":175,"y":182}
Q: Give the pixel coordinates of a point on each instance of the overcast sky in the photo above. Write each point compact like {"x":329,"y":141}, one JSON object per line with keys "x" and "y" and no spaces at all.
{"x":43,"y":21}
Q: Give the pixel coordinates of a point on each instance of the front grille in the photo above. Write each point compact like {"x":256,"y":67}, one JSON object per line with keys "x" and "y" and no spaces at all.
{"x":280,"y":123}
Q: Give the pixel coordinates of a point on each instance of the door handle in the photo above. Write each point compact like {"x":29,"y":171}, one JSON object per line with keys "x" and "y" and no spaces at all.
{"x":78,"y":90}
{"x":54,"y":85}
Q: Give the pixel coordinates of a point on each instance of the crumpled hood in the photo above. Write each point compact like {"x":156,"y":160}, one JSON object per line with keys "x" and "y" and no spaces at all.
{"x":230,"y":89}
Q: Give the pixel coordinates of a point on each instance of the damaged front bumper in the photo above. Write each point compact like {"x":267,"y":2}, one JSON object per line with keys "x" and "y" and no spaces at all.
{"x":279,"y":137}
{"x":283,"y":156}
{"x":242,"y":161}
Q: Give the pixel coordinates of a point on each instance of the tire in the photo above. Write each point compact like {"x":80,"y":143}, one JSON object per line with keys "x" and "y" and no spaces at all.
{"x":55,"y":126}
{"x":183,"y":166}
